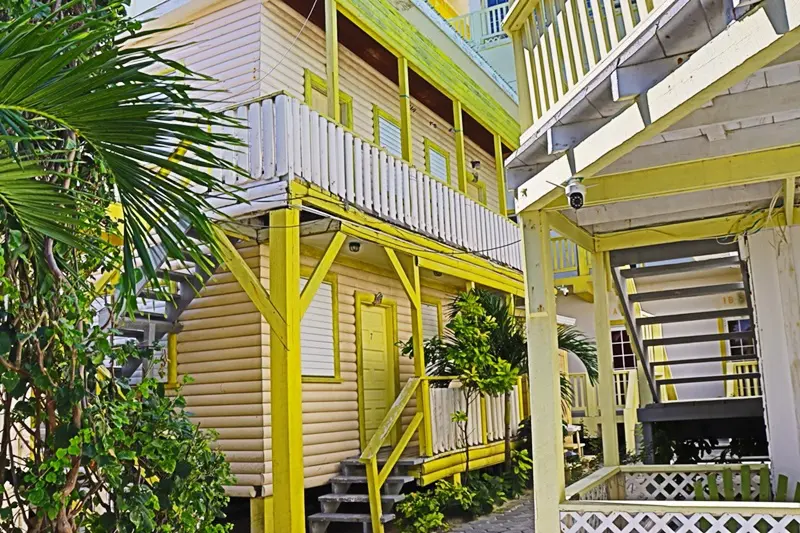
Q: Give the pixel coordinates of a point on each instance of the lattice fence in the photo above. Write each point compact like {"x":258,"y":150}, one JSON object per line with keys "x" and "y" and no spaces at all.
{"x":647,"y":522}
{"x":665,"y":486}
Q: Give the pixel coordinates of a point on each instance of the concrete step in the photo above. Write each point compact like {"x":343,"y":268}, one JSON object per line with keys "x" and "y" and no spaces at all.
{"x":688,"y":292}
{"x":363,"y":479}
{"x":694,"y":360}
{"x":319,"y":522}
{"x":692,"y":317}
{"x":360,"y":498}
{"x":680,"y":268}
{"x":692,"y":339}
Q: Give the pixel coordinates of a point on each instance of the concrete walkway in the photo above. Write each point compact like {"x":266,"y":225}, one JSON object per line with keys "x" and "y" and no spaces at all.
{"x":515,"y":517}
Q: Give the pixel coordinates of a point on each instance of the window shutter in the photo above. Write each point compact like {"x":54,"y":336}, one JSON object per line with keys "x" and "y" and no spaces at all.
{"x":438,"y":164}
{"x":430,"y":321}
{"x":316,"y":334}
{"x":389,"y":134}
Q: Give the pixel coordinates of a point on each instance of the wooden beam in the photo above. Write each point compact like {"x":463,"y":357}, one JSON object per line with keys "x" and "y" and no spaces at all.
{"x":286,"y":385}
{"x":568,"y":229}
{"x":730,"y":171}
{"x":605,"y":363}
{"x":524,"y":81}
{"x":332,"y":59}
{"x":252,"y":286}
{"x":544,"y":371}
{"x":631,"y":81}
{"x":320,"y":271}
{"x":461,"y":154}
{"x":405,"y":108}
{"x":500,"y":174}
{"x":708,"y":228}
{"x":744,"y":47}
{"x":788,"y":199}
{"x":563,"y":138}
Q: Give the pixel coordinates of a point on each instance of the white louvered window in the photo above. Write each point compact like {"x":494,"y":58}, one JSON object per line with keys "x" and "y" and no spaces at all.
{"x":430,"y":321}
{"x":317,"y":340}
{"x":389,"y":134}
{"x":438,"y":163}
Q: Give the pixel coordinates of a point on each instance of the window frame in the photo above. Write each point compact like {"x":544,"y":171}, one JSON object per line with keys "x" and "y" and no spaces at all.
{"x":432,"y":146}
{"x":622,"y":357}
{"x":377,"y":114}
{"x":427,"y":300}
{"x":333,"y":280}
{"x":311,"y":81}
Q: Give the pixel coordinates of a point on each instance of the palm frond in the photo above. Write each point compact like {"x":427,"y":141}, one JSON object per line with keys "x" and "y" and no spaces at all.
{"x":574,"y":341}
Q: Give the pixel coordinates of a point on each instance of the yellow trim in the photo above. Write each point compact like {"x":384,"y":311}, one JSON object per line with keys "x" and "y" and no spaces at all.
{"x":404,"y":93}
{"x":500,"y":174}
{"x":723,"y":346}
{"x":331,"y":279}
{"x":449,"y":464}
{"x":484,"y":421}
{"x":566,"y":228}
{"x":332,"y":62}
{"x":172,"y":360}
{"x":364,"y":298}
{"x":431,"y":146}
{"x":788,"y":199}
{"x":261,"y":515}
{"x":378,"y":113}
{"x":313,"y":82}
{"x":461,"y":153}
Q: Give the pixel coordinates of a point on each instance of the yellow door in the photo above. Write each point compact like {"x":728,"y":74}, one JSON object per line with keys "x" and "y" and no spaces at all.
{"x":377,"y":368}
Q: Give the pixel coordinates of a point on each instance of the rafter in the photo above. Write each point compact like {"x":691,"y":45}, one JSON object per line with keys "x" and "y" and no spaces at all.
{"x":321,"y":270}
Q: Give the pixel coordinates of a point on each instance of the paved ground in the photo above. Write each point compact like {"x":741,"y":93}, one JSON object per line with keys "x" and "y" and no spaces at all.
{"x":516,"y":517}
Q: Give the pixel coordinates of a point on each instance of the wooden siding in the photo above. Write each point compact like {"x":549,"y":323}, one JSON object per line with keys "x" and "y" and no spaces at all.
{"x":224,"y":346}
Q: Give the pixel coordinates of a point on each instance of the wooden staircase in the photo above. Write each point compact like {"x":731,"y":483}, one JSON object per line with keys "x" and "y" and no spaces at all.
{"x":684,"y":258}
{"x":350,"y":496}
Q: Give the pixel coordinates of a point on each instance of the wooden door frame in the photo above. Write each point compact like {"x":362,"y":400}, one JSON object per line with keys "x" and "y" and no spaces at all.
{"x":366,"y":298}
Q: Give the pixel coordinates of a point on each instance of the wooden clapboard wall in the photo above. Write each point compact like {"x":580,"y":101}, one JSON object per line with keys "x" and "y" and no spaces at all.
{"x":224,"y":346}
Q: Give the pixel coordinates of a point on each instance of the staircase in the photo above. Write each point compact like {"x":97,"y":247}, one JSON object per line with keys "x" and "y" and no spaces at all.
{"x":684,"y":260}
{"x":350,"y":497}
{"x":157,"y":312}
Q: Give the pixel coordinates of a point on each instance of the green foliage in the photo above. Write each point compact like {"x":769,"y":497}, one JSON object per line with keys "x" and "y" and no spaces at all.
{"x":420,"y":512}
{"x":518,"y":477}
{"x":453,"y":499}
{"x":574,"y":341}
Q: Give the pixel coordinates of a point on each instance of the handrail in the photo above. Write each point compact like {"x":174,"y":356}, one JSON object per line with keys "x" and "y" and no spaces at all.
{"x":369,"y":457}
{"x":591,"y":482}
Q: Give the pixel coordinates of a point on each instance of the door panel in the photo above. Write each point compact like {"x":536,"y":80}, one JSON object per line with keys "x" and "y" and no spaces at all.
{"x":376,"y":368}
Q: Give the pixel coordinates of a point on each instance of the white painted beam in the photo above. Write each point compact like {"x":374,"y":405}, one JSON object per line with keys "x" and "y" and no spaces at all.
{"x":714,"y":133}
{"x":561,"y":138}
{"x":744,"y":47}
{"x":631,"y":81}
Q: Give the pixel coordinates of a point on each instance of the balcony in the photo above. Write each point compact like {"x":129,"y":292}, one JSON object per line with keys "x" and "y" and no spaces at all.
{"x":572,"y":267}
{"x":483,"y":28}
{"x":284,"y":141}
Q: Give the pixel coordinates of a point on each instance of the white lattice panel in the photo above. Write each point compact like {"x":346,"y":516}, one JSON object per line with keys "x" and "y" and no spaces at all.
{"x":679,"y":485}
{"x":644,"y":522}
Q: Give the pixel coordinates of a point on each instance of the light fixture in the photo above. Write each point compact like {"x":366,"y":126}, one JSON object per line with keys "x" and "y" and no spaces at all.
{"x":354,"y":246}
{"x":378,"y":298}
{"x":476,"y":164}
{"x":437,"y":274}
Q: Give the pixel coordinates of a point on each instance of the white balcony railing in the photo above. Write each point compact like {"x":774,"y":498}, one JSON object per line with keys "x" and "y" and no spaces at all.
{"x":482,"y":28}
{"x":285,"y":140}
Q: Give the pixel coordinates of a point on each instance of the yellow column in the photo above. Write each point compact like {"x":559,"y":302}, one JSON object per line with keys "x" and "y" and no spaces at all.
{"x":405,"y":107}
{"x":332,"y":59}
{"x":285,"y":373}
{"x":461,"y":154}
{"x":605,"y":381}
{"x":543,"y":372}
{"x":172,"y":359}
{"x":261,"y":515}
{"x":500,"y":171}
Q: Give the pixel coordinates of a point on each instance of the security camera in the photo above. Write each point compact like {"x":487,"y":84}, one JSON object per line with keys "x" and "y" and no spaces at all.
{"x":576,"y":192}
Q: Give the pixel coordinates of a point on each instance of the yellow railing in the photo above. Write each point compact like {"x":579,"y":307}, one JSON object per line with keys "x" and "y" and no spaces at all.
{"x":584,"y":395}
{"x":746,"y":387}
{"x":369,"y":457}
{"x":569,"y":257}
{"x":556,"y":46}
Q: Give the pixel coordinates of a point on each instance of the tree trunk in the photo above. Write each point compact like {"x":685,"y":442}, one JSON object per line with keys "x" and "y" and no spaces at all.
{"x":508,"y":431}
{"x":466,"y":437}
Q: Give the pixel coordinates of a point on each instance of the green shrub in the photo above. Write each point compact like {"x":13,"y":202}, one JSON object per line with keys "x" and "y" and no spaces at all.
{"x":489,"y":492}
{"x":454,"y":499}
{"x":420,"y":512}
{"x":518,"y":479}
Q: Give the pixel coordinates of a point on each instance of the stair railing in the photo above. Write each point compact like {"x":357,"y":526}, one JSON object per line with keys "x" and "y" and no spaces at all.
{"x":369,"y":457}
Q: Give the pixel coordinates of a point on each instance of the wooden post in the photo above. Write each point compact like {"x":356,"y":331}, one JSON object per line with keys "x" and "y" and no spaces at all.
{"x":605,"y":380}
{"x":285,"y":373}
{"x":524,"y":85}
{"x":461,"y":154}
{"x":261,"y":515}
{"x":332,"y":60}
{"x":543,"y":372}
{"x":405,"y":107}
{"x":172,"y":360}
{"x":500,"y":172}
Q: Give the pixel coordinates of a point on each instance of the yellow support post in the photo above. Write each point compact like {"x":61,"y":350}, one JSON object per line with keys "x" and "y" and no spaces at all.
{"x":484,"y":422}
{"x":500,"y":171}
{"x":261,"y":513}
{"x":461,"y":154}
{"x":788,"y":200}
{"x":405,"y":107}
{"x":543,"y":372}
{"x":172,"y":360}
{"x":332,"y":59}
{"x":605,"y":381}
{"x":285,"y":373}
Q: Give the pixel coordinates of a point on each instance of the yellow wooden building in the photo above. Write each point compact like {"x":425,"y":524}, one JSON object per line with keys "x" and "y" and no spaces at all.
{"x":374,"y":141}
{"x":660,"y":134}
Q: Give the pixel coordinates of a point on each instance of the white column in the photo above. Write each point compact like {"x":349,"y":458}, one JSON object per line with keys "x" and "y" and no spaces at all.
{"x":774,"y":262}
{"x":543,"y":371}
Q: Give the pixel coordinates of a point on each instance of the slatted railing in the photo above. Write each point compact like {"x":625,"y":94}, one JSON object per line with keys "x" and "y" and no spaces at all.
{"x":482,"y":28}
{"x":559,"y":42}
{"x":285,"y":140}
